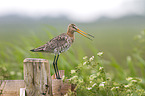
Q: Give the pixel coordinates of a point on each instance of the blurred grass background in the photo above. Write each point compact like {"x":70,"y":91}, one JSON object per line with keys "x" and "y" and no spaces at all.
{"x":123,"y":53}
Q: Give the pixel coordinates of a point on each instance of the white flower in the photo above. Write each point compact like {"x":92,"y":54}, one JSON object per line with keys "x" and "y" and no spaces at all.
{"x":89,"y":88}
{"x":116,"y":87}
{"x":134,"y":80}
{"x":91,"y":58}
{"x":84,"y":63}
{"x":73,"y":71}
{"x":92,"y":76}
{"x":100,"y":53}
{"x":126,"y":85}
{"x":113,"y":88}
{"x":94,"y":84}
{"x":63,"y":77}
{"x":66,"y":94}
{"x":100,"y":68}
{"x":129,"y":78}
{"x":90,"y":81}
{"x":101,"y":85}
{"x":85,"y":57}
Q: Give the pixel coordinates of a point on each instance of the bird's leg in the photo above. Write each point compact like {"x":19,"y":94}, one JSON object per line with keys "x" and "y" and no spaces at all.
{"x":54,"y":65}
{"x":57,"y":67}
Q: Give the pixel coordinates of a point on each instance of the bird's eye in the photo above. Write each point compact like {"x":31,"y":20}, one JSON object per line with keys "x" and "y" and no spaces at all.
{"x":74,"y":27}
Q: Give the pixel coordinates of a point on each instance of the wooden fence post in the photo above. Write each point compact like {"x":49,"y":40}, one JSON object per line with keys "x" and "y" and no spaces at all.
{"x":37,"y":77}
{"x":60,"y":88}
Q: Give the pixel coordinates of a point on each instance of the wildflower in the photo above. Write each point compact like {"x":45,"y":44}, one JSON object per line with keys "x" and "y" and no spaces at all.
{"x":85,"y":57}
{"x":100,"y":53}
{"x":134,"y":81}
{"x":129,"y":78}
{"x":92,"y":76}
{"x":116,"y":87}
{"x":112,"y":88}
{"x":84,"y":63}
{"x":100,"y":68}
{"x":89,"y":88}
{"x":94,"y":84}
{"x":101,"y":85}
{"x":66,"y":94}
{"x":73,"y":71}
{"x":103,"y":82}
{"x":90,"y":81}
{"x":91,"y":58}
{"x":126,"y":85}
{"x":63,"y":77}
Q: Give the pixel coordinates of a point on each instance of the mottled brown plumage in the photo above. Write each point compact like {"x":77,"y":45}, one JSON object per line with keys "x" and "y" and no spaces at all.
{"x":60,"y":43}
{"x":56,"y":45}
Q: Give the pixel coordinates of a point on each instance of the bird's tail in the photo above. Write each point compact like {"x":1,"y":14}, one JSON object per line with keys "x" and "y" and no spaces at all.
{"x":33,"y":50}
{"x":39,"y":49}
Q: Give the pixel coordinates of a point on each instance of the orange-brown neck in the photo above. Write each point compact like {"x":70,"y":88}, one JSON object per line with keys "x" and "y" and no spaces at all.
{"x":70,"y":34}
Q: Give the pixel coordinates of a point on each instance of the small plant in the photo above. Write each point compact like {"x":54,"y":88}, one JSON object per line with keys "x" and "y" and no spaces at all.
{"x":90,"y":79}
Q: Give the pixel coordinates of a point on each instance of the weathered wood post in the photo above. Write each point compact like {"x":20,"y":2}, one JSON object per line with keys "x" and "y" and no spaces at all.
{"x":37,"y":77}
{"x":60,"y":88}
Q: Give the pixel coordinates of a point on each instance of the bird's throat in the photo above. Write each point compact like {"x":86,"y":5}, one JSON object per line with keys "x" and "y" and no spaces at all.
{"x":71,"y":35}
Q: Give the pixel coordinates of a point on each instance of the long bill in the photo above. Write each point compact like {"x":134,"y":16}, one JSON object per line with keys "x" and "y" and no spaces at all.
{"x":81,"y":32}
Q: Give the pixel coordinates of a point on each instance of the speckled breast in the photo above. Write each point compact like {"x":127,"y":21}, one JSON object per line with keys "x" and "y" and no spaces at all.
{"x":66,"y":43}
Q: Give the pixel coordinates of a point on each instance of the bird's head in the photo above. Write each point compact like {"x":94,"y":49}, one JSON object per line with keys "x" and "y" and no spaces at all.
{"x":72,"y":28}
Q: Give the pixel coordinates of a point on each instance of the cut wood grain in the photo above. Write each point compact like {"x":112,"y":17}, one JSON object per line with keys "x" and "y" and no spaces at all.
{"x":37,"y":77}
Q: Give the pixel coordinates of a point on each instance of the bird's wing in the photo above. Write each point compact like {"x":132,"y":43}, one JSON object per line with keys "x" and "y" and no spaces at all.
{"x":57,"y":42}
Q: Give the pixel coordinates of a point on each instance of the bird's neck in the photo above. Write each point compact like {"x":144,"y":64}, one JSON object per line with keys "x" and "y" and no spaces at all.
{"x":71,"y":34}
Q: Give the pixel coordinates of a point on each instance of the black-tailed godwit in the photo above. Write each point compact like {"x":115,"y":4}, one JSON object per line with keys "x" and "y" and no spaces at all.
{"x":60,"y":43}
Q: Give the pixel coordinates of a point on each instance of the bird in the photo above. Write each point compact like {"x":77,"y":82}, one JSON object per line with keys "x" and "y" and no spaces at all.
{"x":61,"y":43}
